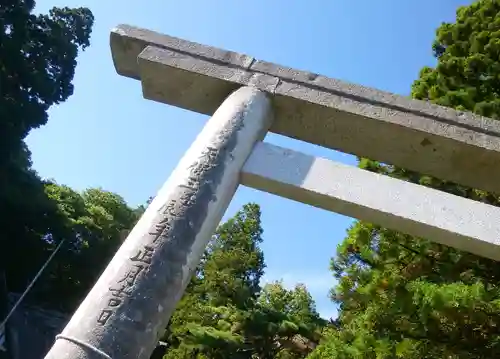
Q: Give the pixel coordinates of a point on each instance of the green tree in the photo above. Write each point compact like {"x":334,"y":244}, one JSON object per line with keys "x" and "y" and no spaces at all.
{"x":224,"y":287}
{"x":284,"y":323}
{"x":38,"y":54}
{"x":407,"y":297}
{"x":467,"y":75}
{"x":297,"y":303}
{"x":234,"y":261}
{"x":92,"y":223}
{"x":225,"y":313}
{"x":37,"y":62}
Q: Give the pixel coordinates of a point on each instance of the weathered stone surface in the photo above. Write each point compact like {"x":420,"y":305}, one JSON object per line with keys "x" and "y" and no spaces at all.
{"x":132,"y":301}
{"x":127,"y":42}
{"x":417,"y":210}
{"x":417,"y":135}
{"x":197,"y":92}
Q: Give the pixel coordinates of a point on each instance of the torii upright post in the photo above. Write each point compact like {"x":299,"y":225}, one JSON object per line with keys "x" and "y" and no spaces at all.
{"x":131,"y":303}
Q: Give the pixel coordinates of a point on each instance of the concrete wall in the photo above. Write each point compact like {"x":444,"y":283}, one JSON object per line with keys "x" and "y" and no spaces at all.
{"x":32,"y":330}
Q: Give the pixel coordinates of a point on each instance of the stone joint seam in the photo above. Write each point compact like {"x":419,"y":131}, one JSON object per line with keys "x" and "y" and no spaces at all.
{"x":255,"y":81}
{"x":250,"y":63}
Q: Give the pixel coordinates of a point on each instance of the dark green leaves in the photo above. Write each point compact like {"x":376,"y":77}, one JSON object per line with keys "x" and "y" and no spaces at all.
{"x":406,"y":297}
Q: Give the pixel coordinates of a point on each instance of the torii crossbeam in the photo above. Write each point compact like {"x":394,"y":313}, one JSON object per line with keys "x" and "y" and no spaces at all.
{"x":131,"y":303}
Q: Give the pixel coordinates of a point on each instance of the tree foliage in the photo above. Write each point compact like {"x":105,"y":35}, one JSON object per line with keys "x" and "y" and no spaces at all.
{"x":398,"y":296}
{"x":406,"y":297}
{"x":92,"y":224}
{"x":467,"y":75}
{"x":226,"y":314}
{"x":37,"y":63}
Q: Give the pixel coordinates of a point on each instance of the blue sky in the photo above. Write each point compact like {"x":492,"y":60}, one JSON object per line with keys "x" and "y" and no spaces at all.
{"x":106,"y":135}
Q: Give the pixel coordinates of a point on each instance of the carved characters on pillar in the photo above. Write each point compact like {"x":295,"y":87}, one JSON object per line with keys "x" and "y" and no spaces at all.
{"x":125,"y":285}
{"x":172,"y":216}
{"x":139,"y":263}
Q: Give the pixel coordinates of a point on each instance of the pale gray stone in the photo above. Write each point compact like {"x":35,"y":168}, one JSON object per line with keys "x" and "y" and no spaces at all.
{"x":413,"y":209}
{"x":131,"y":303}
{"x":448,"y":144}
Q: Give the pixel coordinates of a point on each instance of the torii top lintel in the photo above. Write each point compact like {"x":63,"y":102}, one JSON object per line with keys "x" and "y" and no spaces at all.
{"x":417,"y":135}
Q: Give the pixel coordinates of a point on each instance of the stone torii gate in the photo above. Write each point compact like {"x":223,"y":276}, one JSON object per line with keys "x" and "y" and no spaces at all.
{"x":131,"y":303}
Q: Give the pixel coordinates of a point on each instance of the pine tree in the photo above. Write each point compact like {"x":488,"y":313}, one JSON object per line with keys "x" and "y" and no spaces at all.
{"x":225,"y":286}
{"x":407,"y":297}
{"x":226,"y":314}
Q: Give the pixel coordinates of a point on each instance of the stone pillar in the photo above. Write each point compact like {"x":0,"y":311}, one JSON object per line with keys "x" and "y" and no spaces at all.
{"x":131,"y":303}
